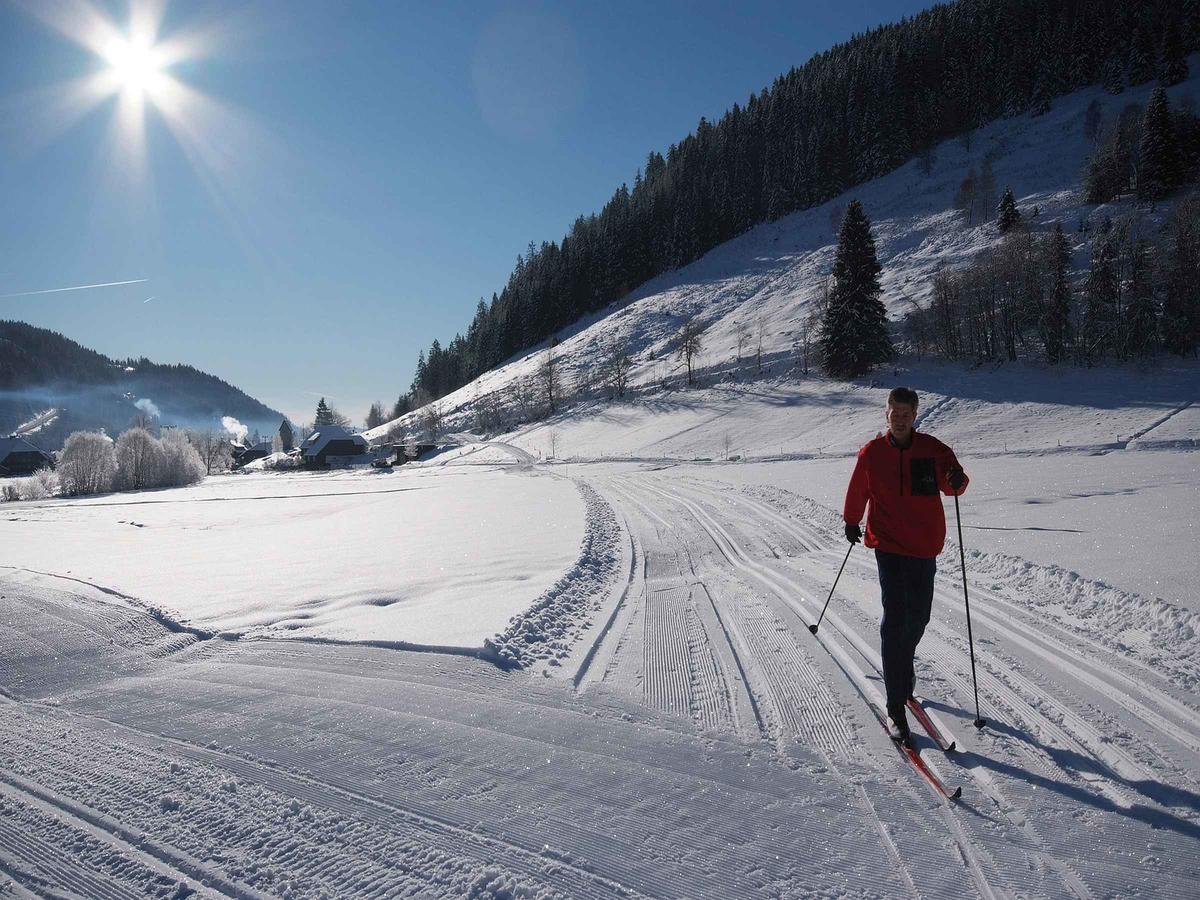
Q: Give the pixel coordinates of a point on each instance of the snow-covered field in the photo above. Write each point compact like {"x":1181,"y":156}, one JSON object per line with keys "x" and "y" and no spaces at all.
{"x":423,"y":558}
{"x":266,"y":686}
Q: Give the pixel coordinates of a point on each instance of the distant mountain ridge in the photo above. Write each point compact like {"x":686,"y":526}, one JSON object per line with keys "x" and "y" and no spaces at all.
{"x":40,"y":369}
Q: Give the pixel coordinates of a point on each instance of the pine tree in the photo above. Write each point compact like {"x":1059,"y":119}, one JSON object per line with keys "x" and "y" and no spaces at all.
{"x":1141,"y":315}
{"x":1103,"y":291}
{"x":1007,"y":214}
{"x":1172,"y":66}
{"x":1113,"y":77}
{"x":854,"y":334}
{"x":1158,"y":154}
{"x":1056,"y":323}
{"x":1181,"y":303}
{"x":324,"y":414}
{"x":1142,"y":58}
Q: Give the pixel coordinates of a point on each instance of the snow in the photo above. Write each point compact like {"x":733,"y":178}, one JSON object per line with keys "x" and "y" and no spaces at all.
{"x":493,"y":674}
{"x":402,"y":557}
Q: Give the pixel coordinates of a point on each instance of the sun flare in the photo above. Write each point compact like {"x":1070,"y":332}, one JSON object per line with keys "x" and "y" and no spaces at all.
{"x":135,"y":65}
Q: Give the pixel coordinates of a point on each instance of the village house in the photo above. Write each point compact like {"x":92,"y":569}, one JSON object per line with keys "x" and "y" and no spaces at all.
{"x":332,"y":446}
{"x":19,"y":457}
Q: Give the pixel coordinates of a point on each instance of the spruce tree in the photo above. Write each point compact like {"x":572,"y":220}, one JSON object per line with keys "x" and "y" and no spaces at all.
{"x":854,"y":334}
{"x":324,"y":415}
{"x":1007,"y":214}
{"x":1056,"y":323}
{"x":1141,"y":315}
{"x":1180,"y":321}
{"x":1142,"y":58}
{"x":1172,"y":66}
{"x":1158,"y":156}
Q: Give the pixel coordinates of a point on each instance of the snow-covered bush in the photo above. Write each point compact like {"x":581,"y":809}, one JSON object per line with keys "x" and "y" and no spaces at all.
{"x":9,"y":492}
{"x":181,"y":461}
{"x":87,"y":464}
{"x":140,"y":460}
{"x":39,"y":486}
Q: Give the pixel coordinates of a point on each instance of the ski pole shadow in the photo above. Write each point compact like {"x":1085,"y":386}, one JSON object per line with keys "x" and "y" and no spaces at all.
{"x":1071,"y":761}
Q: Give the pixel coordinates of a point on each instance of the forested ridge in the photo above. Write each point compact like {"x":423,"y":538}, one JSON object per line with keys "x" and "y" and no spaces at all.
{"x":850,"y":114}
{"x":39,"y":368}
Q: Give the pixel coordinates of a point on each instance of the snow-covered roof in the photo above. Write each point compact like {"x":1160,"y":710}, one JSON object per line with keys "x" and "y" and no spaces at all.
{"x":316,"y":442}
{"x":17,"y":444}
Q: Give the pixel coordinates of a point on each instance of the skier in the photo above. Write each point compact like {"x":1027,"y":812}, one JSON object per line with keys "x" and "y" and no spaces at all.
{"x":899,"y":475}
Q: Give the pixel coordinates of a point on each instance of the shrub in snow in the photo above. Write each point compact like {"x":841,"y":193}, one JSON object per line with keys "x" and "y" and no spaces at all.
{"x":41,"y":484}
{"x":181,"y":461}
{"x":140,"y":460}
{"x":168,"y":803}
{"x":87,"y":464}
{"x":9,"y":492}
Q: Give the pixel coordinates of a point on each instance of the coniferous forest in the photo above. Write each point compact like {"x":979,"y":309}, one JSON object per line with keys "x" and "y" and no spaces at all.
{"x":849,"y":114}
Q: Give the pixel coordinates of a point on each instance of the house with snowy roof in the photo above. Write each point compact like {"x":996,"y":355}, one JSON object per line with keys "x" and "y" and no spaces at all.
{"x":332,"y":446}
{"x":19,"y":457}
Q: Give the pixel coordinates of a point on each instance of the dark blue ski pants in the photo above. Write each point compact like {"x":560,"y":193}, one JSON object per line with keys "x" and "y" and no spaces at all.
{"x":906,"y":583}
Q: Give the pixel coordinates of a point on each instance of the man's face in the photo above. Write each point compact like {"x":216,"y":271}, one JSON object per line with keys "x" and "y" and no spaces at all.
{"x":900,"y":418}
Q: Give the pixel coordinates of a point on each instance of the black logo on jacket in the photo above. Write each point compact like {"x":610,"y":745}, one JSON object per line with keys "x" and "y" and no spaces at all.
{"x":924,"y":477}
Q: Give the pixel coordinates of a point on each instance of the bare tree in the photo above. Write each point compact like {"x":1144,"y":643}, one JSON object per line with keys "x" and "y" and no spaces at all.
{"x":213,"y":450}
{"x":690,"y":346}
{"x":548,"y":375}
{"x":432,"y":421}
{"x":760,"y":329}
{"x":617,"y":364}
{"x":181,"y":462}
{"x":140,"y":460}
{"x":553,"y":439}
{"x":741,"y":334}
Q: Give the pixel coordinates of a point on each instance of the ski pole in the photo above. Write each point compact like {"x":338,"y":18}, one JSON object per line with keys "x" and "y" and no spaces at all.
{"x":979,"y":722}
{"x":813,"y":628}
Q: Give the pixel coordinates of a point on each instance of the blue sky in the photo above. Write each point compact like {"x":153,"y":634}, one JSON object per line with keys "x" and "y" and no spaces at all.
{"x":353,"y":176}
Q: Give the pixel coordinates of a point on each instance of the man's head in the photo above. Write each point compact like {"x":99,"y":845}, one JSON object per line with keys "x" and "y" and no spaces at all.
{"x":901,"y":413}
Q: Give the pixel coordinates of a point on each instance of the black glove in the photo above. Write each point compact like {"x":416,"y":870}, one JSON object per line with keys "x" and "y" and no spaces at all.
{"x":956,"y":479}
{"x":853,"y":534}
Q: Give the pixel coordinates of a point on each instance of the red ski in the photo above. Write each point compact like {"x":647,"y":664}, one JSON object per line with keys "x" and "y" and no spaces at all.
{"x":911,"y":754}
{"x":945,"y":743}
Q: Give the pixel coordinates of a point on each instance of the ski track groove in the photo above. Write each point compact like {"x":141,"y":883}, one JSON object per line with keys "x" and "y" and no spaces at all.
{"x":952,"y":669}
{"x":388,"y":815}
{"x":966,"y":845}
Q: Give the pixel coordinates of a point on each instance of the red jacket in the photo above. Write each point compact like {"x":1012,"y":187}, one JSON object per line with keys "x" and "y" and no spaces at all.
{"x":905,"y":514}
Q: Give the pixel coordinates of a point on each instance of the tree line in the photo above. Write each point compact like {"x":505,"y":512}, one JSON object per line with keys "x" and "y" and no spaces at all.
{"x":850,"y":114}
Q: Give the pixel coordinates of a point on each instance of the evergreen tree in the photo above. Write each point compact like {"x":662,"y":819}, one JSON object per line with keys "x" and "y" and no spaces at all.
{"x":1056,"y":323}
{"x":1142,"y":58}
{"x":1103,"y":292}
{"x":1113,"y":77}
{"x":376,"y":415}
{"x":1158,"y":156}
{"x":324,"y":414}
{"x":1181,"y":302}
{"x":1141,"y":315}
{"x":1007,"y":214}
{"x":854,"y":334}
{"x":1172,"y":66}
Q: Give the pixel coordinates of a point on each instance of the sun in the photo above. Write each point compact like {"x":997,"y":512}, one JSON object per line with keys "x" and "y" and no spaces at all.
{"x":135,"y":66}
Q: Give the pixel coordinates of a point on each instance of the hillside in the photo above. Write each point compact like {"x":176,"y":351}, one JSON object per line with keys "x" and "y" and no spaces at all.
{"x":769,"y":281}
{"x":42,"y":370}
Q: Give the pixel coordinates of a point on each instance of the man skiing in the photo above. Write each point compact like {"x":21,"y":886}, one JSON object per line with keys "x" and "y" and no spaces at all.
{"x":897,"y":480}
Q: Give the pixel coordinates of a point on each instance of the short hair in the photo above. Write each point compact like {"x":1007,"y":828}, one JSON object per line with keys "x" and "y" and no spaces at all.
{"x":905,"y":395}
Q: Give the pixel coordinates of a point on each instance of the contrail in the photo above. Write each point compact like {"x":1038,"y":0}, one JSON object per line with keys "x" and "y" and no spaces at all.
{"x":78,"y":287}
{"x":148,"y":299}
